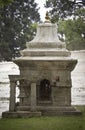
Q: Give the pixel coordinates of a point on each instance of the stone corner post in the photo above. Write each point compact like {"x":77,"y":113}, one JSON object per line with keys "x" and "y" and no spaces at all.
{"x":12,"y":95}
{"x":33,"y":96}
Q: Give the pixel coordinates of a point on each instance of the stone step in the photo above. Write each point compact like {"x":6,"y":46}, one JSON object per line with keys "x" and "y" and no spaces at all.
{"x":26,"y":114}
{"x":46,"y":108}
{"x":21,"y":114}
{"x":60,"y":113}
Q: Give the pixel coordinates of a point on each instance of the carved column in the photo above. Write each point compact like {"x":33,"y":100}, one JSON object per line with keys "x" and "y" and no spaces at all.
{"x":12,"y":95}
{"x":33,"y":96}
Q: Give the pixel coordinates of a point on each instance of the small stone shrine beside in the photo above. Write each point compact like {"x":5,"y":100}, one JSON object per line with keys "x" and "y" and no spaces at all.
{"x":45,"y":77}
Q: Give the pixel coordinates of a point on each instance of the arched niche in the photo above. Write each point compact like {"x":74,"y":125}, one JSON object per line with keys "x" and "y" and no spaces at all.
{"x":45,"y":90}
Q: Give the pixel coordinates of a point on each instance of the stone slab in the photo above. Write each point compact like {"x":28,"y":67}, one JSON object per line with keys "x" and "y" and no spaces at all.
{"x":27,"y":114}
{"x":20,"y":114}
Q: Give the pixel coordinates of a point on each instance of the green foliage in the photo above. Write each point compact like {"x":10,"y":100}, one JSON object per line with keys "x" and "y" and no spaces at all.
{"x":74,"y":31}
{"x":60,"y":8}
{"x":80,"y":12}
{"x":16,"y":24}
{"x":5,"y":51}
{"x":5,"y":2}
{"x":62,"y":12}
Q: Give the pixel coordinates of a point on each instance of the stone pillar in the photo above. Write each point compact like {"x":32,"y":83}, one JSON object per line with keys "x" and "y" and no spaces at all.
{"x":33,"y":96}
{"x":52,"y":95}
{"x":12,"y":95}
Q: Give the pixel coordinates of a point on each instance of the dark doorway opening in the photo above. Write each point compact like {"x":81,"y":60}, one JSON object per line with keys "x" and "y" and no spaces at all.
{"x":45,"y":90}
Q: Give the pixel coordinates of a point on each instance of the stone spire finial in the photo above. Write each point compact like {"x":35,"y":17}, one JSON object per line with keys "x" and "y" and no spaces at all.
{"x":47,"y":18}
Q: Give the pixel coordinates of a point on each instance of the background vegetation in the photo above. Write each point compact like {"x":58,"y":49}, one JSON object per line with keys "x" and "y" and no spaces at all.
{"x":70,"y":16}
{"x":5,"y":2}
{"x":17,"y":25}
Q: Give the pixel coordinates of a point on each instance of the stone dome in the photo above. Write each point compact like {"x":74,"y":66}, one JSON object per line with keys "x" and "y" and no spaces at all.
{"x":46,"y":42}
{"x":46,"y":37}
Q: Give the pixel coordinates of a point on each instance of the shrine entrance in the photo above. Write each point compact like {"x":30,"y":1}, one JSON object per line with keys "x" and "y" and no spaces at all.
{"x":45,"y":90}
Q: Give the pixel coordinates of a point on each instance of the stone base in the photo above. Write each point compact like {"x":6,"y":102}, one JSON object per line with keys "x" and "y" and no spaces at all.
{"x":59,"y":111}
{"x":20,"y":114}
{"x":42,"y":111}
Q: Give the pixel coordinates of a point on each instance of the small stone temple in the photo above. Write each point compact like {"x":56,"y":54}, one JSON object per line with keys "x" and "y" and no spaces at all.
{"x":45,"y":77}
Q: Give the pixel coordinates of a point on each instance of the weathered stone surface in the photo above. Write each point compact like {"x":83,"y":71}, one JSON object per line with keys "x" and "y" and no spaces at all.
{"x":33,"y":97}
{"x":45,"y":77}
{"x":46,"y":37}
{"x":21,"y":114}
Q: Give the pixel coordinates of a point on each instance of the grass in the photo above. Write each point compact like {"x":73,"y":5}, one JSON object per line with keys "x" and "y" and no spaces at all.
{"x":45,"y":123}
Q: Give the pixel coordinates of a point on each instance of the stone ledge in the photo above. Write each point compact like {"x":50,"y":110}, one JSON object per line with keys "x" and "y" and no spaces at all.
{"x":61,"y":113}
{"x":45,"y":52}
{"x":48,"y":108}
{"x":28,"y":114}
{"x":21,"y":114}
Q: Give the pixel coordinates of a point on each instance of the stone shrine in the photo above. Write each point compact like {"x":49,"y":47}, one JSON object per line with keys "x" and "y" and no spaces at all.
{"x":45,"y":77}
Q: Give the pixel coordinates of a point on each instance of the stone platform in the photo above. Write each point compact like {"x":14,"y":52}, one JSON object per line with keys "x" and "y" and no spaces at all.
{"x":41,"y":111}
{"x":21,"y":114}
